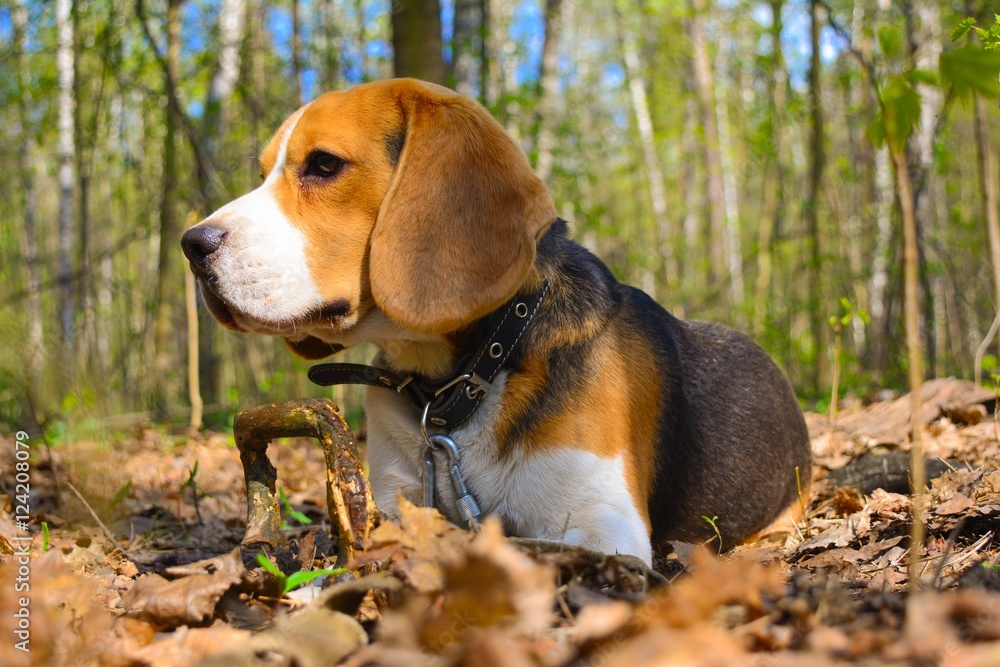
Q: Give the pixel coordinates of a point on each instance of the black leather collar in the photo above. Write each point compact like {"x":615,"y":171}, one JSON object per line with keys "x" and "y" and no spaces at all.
{"x":454,"y":400}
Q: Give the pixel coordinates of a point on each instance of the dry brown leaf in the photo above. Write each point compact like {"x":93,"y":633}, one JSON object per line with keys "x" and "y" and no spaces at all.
{"x":954,"y":505}
{"x":598,"y":621}
{"x":845,"y":533}
{"x":67,"y":621}
{"x":170,"y":604}
{"x":497,"y":584}
{"x":715,"y":582}
{"x":847,"y":500}
{"x":418,"y":547}
{"x":186,"y":646}
{"x":685,"y":551}
{"x":494,"y":649}
{"x":227,"y":563}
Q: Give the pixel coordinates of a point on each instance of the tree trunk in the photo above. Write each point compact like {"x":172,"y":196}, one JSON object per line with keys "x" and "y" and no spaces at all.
{"x":548,"y":78}
{"x":86,"y":351}
{"x":232,"y":14}
{"x":467,"y":47}
{"x":924,"y":31}
{"x":296,"y":53}
{"x":194,"y":386}
{"x":817,"y":163}
{"x":66,"y":179}
{"x":731,"y":240}
{"x":168,"y":262}
{"x":986,"y":162}
{"x":773,"y":174}
{"x":484,"y":52}
{"x":911,"y":316}
{"x":880,"y":263}
{"x":35,"y":357}
{"x":332,"y":44}
{"x":654,"y":172}
{"x":705,"y":91}
{"x":416,"y":40}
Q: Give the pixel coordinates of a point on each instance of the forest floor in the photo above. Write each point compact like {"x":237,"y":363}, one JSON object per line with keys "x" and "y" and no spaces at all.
{"x":162,"y":582}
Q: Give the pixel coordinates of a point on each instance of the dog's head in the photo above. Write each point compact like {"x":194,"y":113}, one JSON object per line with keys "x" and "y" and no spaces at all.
{"x":399,"y":197}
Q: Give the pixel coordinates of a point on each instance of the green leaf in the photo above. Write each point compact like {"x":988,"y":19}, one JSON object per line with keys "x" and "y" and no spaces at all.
{"x":305,"y":576}
{"x":889,"y":40}
{"x":900,"y":112}
{"x":971,"y":69}
{"x":963,"y":28}
{"x":923,"y":76}
{"x":120,"y":495}
{"x":876,"y":131}
{"x":268,"y":565}
{"x":46,"y":538}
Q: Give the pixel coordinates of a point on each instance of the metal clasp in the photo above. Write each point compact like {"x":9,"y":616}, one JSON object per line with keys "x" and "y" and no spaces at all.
{"x":465,"y":502}
{"x":477,"y":385}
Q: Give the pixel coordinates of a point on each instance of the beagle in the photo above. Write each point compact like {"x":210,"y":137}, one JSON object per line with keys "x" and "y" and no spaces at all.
{"x":399,"y":212}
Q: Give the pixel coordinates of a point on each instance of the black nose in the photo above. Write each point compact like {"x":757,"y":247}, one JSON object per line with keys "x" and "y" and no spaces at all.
{"x":201,"y":241}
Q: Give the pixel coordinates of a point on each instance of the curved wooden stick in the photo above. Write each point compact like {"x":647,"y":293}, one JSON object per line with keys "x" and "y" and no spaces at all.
{"x":348,"y":497}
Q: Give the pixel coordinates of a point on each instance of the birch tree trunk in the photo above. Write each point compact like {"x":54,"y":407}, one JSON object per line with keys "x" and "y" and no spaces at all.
{"x":416,"y":40}
{"x":714,"y":190}
{"x":924,"y":31}
{"x":654,"y":172}
{"x":817,"y":164}
{"x":66,"y":179}
{"x":986,"y":162}
{"x":85,"y":350}
{"x":548,"y":78}
{"x":168,"y":276}
{"x":773,"y":174}
{"x":231,"y":24}
{"x":885,"y":198}
{"x":731,"y":241}
{"x":35,"y":347}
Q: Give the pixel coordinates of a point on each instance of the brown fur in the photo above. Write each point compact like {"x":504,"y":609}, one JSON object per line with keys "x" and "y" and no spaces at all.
{"x":437,"y":220}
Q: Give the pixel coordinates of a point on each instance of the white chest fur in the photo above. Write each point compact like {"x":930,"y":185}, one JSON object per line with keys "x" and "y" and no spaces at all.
{"x":560,"y":493}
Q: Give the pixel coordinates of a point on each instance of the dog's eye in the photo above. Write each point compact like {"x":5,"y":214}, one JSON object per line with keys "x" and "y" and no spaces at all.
{"x":323,"y":165}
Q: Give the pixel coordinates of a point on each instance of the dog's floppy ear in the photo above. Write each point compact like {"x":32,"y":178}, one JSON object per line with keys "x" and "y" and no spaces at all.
{"x":311,"y":347}
{"x":455,"y":236}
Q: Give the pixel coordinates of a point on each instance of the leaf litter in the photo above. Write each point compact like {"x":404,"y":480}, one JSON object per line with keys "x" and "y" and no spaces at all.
{"x":174,"y":588}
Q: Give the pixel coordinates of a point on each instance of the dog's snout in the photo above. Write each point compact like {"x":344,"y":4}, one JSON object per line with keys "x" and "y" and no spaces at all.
{"x":200,"y":242}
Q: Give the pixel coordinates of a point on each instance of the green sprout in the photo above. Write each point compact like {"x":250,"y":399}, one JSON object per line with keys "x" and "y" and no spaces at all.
{"x":296,"y":579}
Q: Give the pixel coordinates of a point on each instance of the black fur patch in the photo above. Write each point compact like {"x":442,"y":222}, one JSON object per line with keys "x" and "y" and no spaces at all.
{"x":394,"y":145}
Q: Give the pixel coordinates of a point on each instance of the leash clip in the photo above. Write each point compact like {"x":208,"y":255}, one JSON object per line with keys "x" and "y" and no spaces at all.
{"x":465,"y":502}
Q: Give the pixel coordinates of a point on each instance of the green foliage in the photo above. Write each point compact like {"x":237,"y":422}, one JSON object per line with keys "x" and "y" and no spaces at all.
{"x":847,"y":314}
{"x":46,"y":538}
{"x":972,"y":69}
{"x":899,"y":114}
{"x":120,"y":495}
{"x":712,"y":522}
{"x":296,"y":579}
{"x":989,"y":36}
{"x":889,"y":41}
{"x":291,"y":512}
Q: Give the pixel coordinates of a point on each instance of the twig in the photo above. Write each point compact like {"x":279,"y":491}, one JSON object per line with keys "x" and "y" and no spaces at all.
{"x":952,"y":536}
{"x":197,"y":145}
{"x":981,"y":351}
{"x":107,"y":533}
{"x":845,"y":35}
